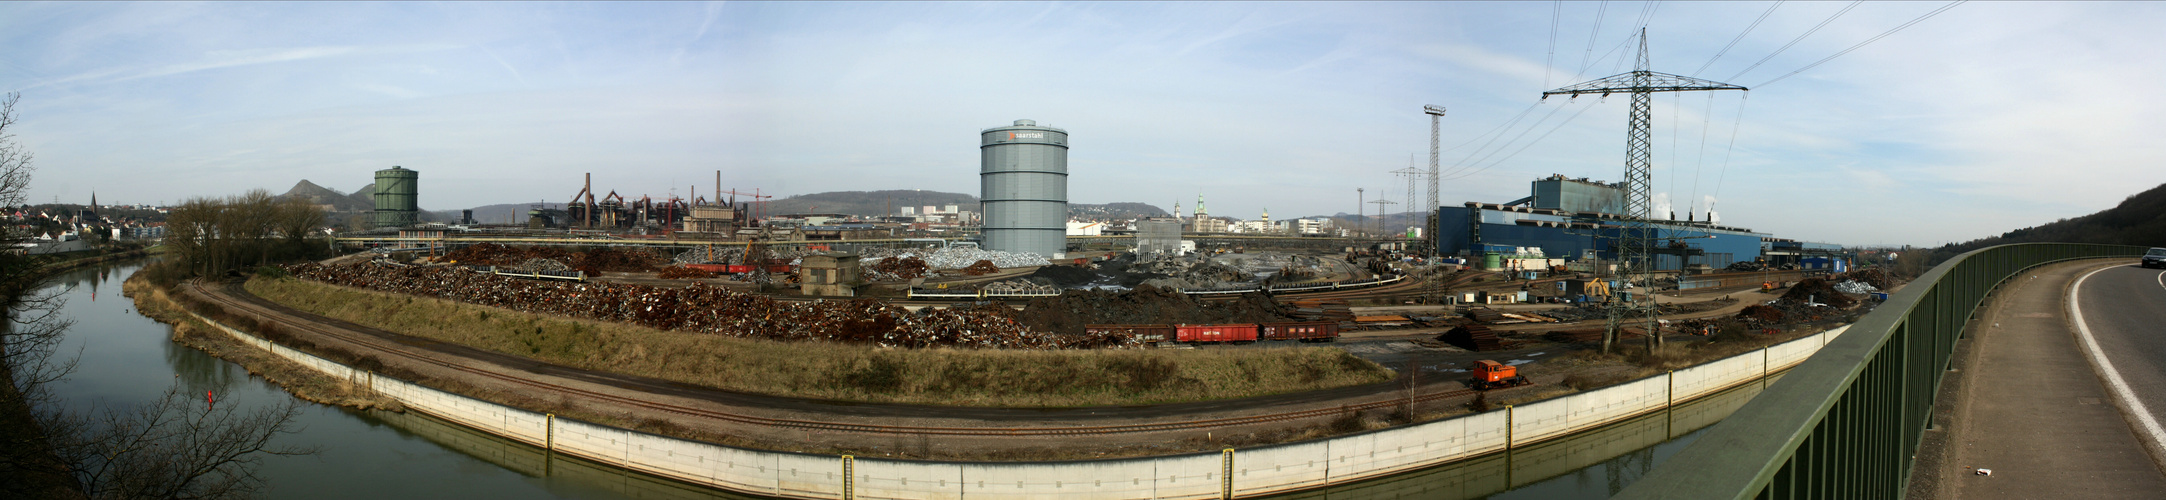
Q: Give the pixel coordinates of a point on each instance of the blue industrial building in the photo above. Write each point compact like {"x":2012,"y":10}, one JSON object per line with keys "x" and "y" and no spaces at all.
{"x":1577,"y":219}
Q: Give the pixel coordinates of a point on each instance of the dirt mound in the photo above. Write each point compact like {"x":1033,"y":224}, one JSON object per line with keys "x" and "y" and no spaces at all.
{"x":1065,"y":276}
{"x":1145,"y":305}
{"x":1761,"y":313}
{"x":1818,"y":290}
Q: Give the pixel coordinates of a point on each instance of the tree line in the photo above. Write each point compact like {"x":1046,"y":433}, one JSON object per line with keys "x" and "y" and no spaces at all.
{"x":212,"y":236}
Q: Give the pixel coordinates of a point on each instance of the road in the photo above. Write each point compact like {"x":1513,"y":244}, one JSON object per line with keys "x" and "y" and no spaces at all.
{"x":2124,"y":310}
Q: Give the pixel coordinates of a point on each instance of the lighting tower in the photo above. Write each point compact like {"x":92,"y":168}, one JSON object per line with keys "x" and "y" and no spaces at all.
{"x":1636,"y":239}
{"x":1432,"y":285}
{"x":1435,"y":113}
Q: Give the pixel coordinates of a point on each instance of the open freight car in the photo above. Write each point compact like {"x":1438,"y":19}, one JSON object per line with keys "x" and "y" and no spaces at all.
{"x":1142,"y":333}
{"x":1202,"y":334}
{"x":1312,"y":331}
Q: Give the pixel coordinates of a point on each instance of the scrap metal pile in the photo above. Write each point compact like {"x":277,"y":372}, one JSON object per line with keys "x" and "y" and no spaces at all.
{"x":714,"y":310}
{"x":897,"y":269}
{"x":682,"y":273}
{"x":983,"y":267}
{"x":594,"y":261}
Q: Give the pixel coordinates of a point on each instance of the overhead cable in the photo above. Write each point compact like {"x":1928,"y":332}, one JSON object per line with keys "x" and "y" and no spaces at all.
{"x":1549,"y":64}
{"x":1733,"y":41}
{"x":1800,"y":38}
{"x":1734,"y":125}
{"x":1928,"y":15}
{"x":1537,"y":140}
{"x":1591,"y":37}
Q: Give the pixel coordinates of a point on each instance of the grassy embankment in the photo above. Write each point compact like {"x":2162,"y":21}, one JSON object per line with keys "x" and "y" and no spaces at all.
{"x":963,"y":377}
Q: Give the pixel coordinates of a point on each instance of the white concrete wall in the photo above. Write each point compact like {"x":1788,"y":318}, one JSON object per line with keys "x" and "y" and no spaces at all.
{"x":1255,"y":472}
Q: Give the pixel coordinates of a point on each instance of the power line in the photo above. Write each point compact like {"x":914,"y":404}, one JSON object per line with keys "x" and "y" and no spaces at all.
{"x":1740,"y":36}
{"x":1922,"y":18}
{"x":1734,"y":125}
{"x":1470,"y":160}
{"x":1700,"y":163}
{"x":1591,"y":37}
{"x":1537,"y":140}
{"x":1800,"y":38}
{"x":1549,"y":64}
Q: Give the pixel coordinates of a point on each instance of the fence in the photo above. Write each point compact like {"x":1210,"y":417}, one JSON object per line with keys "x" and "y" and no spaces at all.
{"x":1844,"y":423}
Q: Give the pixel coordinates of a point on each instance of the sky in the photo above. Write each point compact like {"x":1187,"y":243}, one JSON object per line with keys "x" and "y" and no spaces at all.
{"x":1988,"y":117}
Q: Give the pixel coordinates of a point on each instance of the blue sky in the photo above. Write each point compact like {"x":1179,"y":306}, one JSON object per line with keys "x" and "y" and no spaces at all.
{"x":1989,"y":117}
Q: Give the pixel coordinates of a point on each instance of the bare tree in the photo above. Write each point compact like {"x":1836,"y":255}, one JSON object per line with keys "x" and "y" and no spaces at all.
{"x":165,"y":449}
{"x":177,"y":447}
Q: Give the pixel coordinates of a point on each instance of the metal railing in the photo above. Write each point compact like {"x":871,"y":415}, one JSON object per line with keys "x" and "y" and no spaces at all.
{"x":1845,"y":423}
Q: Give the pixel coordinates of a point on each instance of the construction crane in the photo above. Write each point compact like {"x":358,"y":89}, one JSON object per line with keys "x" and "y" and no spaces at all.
{"x":756,"y":200}
{"x":1636,"y":238}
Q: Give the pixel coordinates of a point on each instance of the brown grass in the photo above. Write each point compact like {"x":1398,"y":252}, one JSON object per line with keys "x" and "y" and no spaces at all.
{"x":844,"y":372}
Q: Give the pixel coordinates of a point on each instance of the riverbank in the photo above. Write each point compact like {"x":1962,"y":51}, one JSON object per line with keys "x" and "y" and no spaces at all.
{"x":309,"y":385}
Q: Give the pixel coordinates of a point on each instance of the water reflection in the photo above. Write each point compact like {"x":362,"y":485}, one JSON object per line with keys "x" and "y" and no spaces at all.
{"x":1589,"y":465}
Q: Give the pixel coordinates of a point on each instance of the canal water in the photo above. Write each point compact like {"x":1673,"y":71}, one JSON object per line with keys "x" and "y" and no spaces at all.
{"x":126,"y":359}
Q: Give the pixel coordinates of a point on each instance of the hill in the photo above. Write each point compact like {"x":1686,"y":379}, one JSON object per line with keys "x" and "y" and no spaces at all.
{"x":2139,"y":220}
{"x":339,"y":202}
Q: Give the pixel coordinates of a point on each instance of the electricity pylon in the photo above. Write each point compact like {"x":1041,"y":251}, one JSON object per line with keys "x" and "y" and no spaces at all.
{"x":1635,"y":240}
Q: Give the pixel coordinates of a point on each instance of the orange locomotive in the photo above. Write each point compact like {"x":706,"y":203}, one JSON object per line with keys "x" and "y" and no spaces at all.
{"x":1490,"y":375}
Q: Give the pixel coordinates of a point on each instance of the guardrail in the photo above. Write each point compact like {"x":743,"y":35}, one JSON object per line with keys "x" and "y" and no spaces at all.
{"x":1845,"y":423}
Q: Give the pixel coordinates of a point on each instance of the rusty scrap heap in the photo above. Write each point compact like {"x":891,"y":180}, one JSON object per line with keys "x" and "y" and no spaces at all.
{"x":714,"y":310}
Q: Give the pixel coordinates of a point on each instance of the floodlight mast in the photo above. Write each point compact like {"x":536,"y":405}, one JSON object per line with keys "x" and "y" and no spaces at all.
{"x":1635,"y":240}
{"x":1436,"y":113}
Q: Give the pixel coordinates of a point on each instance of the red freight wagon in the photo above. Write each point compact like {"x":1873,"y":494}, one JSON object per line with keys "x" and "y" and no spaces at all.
{"x":1315,"y":331}
{"x":1142,"y":333}
{"x":1197,"y":334}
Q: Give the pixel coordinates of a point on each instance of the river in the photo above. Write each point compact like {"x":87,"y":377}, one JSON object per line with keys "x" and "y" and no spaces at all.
{"x":126,"y":358}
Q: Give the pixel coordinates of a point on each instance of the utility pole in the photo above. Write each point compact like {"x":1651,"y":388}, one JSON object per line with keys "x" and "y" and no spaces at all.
{"x":1361,"y":213}
{"x":1412,"y":174}
{"x":1380,"y":229}
{"x":1636,"y":235}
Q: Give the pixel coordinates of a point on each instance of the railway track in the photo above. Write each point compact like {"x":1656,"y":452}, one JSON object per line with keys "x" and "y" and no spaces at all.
{"x":392,"y":348}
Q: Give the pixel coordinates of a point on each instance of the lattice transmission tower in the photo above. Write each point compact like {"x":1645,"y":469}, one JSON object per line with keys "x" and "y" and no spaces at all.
{"x":1635,"y":240}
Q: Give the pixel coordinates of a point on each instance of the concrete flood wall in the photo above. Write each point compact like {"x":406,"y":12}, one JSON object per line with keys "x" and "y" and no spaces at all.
{"x":1260,"y":471}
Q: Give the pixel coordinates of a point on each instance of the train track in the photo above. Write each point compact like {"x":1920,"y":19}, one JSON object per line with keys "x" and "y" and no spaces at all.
{"x":294,"y":321}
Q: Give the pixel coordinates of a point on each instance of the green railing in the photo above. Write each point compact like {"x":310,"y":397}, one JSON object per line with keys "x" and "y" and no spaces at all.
{"x":1845,"y":423}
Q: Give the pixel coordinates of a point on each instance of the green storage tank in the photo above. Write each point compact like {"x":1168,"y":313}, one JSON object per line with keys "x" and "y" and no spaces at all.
{"x":1492,"y":261}
{"x":397,"y":197}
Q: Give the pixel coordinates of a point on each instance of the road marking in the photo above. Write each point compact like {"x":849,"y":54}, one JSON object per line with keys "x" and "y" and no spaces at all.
{"x":2113,"y":378}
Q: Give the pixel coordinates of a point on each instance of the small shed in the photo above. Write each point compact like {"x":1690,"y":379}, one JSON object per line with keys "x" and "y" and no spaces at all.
{"x":834,"y":274}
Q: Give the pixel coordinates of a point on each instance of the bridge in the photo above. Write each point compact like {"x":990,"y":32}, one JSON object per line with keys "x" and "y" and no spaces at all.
{"x":1849,"y":422}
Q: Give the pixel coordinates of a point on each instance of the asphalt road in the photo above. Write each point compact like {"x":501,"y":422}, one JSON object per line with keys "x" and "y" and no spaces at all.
{"x":2124,"y":309}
